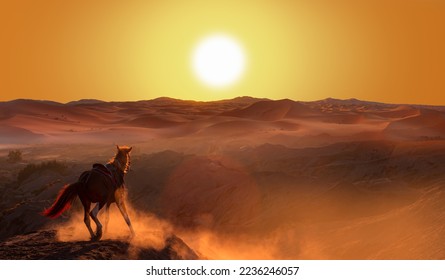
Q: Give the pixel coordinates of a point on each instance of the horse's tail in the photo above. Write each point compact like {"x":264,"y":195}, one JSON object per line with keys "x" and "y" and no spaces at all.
{"x":63,"y":201}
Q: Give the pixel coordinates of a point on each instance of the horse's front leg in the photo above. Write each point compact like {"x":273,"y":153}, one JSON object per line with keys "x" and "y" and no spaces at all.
{"x":121,"y":205}
{"x":107,"y":217}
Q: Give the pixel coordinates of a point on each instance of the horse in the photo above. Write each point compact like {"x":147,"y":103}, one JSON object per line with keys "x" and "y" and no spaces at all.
{"x":103,"y":185}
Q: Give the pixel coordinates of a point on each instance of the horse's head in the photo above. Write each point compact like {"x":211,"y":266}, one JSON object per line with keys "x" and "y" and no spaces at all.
{"x":122,"y":158}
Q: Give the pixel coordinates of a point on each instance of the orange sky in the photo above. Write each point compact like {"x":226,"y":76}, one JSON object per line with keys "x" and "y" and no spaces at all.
{"x":382,"y":50}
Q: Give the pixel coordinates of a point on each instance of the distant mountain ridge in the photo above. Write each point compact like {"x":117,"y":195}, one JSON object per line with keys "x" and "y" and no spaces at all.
{"x":85,"y":101}
{"x":239,"y":99}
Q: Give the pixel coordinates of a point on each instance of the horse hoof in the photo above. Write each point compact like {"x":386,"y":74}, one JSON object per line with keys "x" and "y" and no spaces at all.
{"x":99,"y":234}
{"x":96,"y":237}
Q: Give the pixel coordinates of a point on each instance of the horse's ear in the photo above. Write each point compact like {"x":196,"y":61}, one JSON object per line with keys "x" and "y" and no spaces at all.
{"x":129,"y":150}
{"x":117,"y":146}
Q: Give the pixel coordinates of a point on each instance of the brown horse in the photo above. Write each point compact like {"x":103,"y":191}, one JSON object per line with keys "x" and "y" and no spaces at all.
{"x":102,"y":185}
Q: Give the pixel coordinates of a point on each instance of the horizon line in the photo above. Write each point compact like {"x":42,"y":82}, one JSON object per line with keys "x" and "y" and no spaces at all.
{"x":210,"y":101}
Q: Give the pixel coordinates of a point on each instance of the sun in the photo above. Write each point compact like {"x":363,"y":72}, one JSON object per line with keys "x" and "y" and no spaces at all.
{"x":218,"y":61}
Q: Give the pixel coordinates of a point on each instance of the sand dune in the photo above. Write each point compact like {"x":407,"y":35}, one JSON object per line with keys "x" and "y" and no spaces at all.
{"x":242,"y":118}
{"x":401,"y":111}
{"x":12,"y":134}
{"x":151,"y":122}
{"x":273,"y":110}
{"x":427,"y":124}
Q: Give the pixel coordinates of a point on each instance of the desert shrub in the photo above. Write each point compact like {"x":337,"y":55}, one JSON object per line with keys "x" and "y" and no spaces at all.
{"x":15,"y":156}
{"x":32,"y":168}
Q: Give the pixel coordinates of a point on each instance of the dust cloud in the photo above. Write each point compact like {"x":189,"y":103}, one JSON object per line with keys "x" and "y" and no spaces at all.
{"x":340,"y":226}
{"x":151,"y":232}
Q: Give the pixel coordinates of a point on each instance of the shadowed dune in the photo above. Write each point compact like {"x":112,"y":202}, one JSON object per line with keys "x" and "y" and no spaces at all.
{"x":273,"y":110}
{"x":12,"y":134}
{"x":152,"y":122}
{"x":426,"y":124}
{"x":401,"y":111}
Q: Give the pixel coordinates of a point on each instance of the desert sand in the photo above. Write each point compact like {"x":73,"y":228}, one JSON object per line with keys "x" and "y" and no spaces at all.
{"x":244,"y":178}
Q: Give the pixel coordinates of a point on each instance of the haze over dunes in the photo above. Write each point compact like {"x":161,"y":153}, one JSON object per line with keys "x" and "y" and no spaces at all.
{"x":249,"y":120}
{"x":234,"y":179}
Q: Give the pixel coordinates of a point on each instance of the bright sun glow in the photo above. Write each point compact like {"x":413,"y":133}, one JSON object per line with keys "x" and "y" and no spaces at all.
{"x":218,"y":61}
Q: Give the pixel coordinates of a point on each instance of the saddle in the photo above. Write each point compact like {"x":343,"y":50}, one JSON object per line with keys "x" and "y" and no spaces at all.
{"x":115,"y":179}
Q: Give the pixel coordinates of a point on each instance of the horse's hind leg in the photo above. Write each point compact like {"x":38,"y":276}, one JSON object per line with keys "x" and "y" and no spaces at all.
{"x":93,"y":215}
{"x":86,"y":218}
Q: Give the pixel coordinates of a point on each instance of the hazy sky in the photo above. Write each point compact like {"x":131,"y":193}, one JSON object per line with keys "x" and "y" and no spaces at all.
{"x":381,"y":50}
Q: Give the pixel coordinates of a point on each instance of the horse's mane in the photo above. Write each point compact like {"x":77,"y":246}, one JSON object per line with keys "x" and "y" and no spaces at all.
{"x":115,"y":161}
